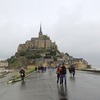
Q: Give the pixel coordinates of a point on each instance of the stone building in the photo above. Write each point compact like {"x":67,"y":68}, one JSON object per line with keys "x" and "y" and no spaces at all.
{"x":40,"y":42}
{"x":3,"y":63}
{"x":80,"y":63}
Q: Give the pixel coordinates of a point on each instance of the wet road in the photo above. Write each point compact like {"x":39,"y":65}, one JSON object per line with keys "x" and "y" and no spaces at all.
{"x":42,"y":86}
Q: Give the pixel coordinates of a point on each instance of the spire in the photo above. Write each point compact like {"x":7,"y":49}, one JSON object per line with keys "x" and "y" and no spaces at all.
{"x":40,"y":28}
{"x":40,"y":32}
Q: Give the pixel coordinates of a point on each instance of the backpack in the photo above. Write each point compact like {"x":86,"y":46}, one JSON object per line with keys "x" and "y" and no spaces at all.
{"x":58,"y":71}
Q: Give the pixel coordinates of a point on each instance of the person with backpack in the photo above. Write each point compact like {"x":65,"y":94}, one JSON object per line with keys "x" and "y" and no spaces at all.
{"x":58,"y":72}
{"x":22,"y":73}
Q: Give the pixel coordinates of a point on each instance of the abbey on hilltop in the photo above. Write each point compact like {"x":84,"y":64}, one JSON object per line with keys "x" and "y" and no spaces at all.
{"x":40,"y":42}
{"x":37,"y":50}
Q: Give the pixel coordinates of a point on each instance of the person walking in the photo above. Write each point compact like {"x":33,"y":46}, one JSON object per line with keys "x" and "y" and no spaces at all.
{"x":70,"y":71}
{"x":58,"y":72}
{"x":22,"y":73}
{"x":72,"y":67}
{"x":63,"y":74}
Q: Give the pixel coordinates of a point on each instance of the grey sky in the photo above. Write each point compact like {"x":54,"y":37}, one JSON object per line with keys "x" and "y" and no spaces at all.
{"x":73,"y":24}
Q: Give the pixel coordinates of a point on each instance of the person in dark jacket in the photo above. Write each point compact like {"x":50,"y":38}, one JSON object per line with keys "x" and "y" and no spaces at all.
{"x":70,"y":71}
{"x":63,"y":74}
{"x":22,"y":73}
{"x":72,"y":68}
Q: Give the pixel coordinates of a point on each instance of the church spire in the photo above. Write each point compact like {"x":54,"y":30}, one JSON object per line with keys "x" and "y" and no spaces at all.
{"x":40,"y":32}
{"x":40,"y":28}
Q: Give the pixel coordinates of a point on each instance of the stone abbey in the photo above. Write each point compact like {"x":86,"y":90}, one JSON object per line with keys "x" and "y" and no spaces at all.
{"x":40,"y":42}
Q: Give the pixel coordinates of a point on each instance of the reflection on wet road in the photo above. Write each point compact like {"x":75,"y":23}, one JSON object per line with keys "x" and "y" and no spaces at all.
{"x":62,"y":92}
{"x":42,"y":86}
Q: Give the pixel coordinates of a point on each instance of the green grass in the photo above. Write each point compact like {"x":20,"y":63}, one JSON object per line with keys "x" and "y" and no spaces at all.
{"x":16,"y":75}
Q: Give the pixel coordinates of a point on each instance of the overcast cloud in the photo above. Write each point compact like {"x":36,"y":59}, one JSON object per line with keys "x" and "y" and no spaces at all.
{"x":73,"y":24}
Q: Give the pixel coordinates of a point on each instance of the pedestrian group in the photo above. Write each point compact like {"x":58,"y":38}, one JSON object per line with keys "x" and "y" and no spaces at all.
{"x":61,"y":73}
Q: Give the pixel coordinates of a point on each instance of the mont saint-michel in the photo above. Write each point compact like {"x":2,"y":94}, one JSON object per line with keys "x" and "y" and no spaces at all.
{"x":42,"y":50}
